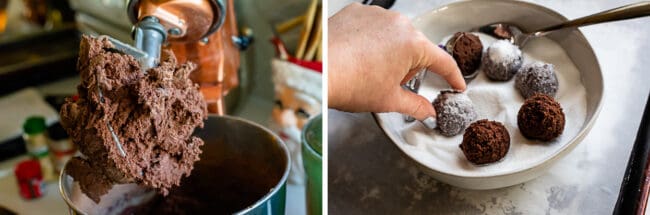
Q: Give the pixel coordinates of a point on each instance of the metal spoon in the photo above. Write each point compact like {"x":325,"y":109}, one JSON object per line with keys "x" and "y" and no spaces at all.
{"x":413,"y":85}
{"x":518,"y":37}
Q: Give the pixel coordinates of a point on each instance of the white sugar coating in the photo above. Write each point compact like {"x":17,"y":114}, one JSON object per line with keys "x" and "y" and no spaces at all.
{"x":537,"y":77}
{"x":501,"y":61}
{"x":454,"y":112}
{"x":503,"y":51}
{"x":499,"y":101}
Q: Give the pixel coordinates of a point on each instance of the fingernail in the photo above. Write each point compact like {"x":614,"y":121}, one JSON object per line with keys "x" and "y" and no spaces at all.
{"x":430,"y":122}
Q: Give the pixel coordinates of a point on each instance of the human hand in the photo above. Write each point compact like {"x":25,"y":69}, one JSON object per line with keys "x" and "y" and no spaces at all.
{"x":372,"y":52}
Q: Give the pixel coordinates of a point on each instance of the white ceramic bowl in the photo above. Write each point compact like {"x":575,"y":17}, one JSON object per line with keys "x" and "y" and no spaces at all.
{"x":465,"y":15}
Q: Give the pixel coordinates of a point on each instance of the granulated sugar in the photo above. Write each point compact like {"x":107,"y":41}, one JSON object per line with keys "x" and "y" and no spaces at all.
{"x":503,"y":51}
{"x":538,"y":77}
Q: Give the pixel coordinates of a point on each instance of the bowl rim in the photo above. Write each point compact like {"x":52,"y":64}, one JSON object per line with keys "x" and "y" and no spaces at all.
{"x":303,"y":135}
{"x":283,"y":181}
{"x":553,"y":157}
{"x":263,"y":200}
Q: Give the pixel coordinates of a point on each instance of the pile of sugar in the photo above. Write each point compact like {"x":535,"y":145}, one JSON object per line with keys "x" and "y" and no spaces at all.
{"x":503,"y":52}
{"x":498,"y":101}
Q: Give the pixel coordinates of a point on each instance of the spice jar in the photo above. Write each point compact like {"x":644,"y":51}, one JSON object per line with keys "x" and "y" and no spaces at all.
{"x":30,"y":179}
{"x":61,"y":148}
{"x":36,"y":141}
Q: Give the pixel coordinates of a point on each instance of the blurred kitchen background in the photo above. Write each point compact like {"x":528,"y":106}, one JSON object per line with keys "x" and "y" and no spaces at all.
{"x":39,"y":43}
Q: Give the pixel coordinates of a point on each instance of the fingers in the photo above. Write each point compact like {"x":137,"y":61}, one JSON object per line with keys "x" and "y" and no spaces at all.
{"x":440,"y":62}
{"x":412,"y":104}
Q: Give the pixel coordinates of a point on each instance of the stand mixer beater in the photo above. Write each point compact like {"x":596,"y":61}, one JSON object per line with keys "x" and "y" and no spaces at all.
{"x":200,"y":31}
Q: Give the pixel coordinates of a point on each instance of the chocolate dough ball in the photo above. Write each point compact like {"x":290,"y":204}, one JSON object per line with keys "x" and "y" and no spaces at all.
{"x":541,"y":117}
{"x":502,"y":60}
{"x":466,"y":48}
{"x":454,"y":112}
{"x":538,"y":77}
{"x":485,"y":142}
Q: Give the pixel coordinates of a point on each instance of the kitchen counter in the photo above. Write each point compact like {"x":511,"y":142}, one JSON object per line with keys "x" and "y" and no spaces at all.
{"x":369,"y":175}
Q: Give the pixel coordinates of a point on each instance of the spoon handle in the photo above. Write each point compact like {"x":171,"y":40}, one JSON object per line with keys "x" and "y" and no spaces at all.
{"x":630,"y":11}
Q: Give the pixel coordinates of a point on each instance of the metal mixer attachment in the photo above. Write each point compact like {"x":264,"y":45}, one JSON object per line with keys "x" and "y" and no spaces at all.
{"x":149,"y":35}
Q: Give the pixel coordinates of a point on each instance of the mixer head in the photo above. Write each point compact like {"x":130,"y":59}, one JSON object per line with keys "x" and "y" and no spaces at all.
{"x":183,"y":20}
{"x":192,"y":30}
{"x":157,"y":21}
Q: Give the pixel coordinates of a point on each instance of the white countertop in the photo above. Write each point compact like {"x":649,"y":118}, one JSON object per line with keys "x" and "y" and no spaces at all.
{"x":369,"y":175}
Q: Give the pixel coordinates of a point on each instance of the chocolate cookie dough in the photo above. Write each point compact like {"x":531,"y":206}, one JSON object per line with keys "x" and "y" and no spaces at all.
{"x":454,"y":112}
{"x":502,"y":60}
{"x":538,"y":77}
{"x":485,"y":142}
{"x":466,"y":48}
{"x":152,"y":114}
{"x":541,"y":117}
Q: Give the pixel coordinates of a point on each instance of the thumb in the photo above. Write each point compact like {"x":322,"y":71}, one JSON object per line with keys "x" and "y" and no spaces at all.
{"x":414,"y":105}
